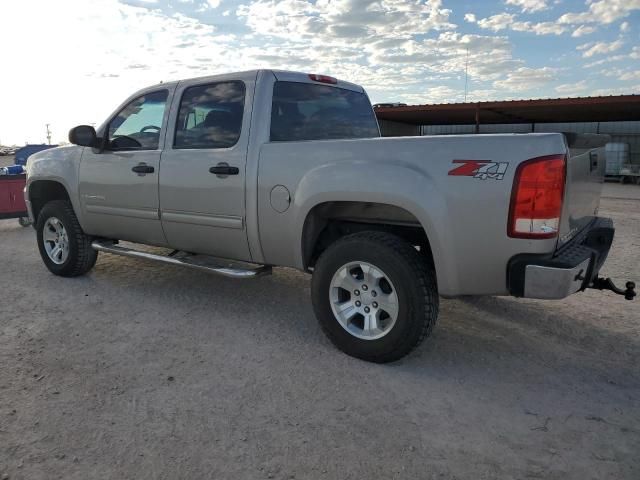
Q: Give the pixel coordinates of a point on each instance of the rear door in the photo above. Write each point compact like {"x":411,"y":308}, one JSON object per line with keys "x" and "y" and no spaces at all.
{"x":202,"y":174}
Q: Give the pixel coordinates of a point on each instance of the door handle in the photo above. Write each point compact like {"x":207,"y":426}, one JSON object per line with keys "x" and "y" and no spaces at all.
{"x":224,"y":169}
{"x":143,"y":168}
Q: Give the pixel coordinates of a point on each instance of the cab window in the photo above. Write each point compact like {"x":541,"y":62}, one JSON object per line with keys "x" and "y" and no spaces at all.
{"x":303,"y":111}
{"x":137,"y":126}
{"x":210,"y":116}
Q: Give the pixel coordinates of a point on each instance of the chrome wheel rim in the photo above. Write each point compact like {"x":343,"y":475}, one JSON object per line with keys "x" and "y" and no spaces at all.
{"x":56,"y":240}
{"x":364,"y":301}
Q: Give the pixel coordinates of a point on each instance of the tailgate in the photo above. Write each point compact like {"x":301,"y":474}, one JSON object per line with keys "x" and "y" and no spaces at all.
{"x":585,"y":176}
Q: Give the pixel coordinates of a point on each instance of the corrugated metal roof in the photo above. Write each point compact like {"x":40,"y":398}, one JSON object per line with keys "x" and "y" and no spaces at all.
{"x":579,"y":109}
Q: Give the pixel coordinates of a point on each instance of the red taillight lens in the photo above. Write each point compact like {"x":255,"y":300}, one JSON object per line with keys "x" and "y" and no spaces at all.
{"x":536,"y":199}
{"x":323,"y":78}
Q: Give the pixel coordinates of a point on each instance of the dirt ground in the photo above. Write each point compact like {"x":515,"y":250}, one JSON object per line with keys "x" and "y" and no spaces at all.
{"x":145,"y":371}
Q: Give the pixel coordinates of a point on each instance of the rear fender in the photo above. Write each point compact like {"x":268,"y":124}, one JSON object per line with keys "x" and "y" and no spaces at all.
{"x":397,"y":184}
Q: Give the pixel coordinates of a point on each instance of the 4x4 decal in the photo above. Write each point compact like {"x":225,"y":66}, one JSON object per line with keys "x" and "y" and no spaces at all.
{"x":481,"y":169}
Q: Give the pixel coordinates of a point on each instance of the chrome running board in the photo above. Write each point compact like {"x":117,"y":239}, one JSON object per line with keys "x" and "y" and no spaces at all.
{"x":228,"y":268}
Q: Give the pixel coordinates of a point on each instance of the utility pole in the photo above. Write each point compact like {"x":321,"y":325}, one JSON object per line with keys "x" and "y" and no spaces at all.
{"x":466,"y":76}
{"x":48,"y":134}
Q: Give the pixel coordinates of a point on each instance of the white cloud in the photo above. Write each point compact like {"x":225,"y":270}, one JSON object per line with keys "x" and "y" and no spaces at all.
{"x":503,"y":21}
{"x":542,"y":28}
{"x":525,"y":78}
{"x":572,"y":89}
{"x":635,"y":75}
{"x":498,"y":22}
{"x":626,"y":90}
{"x":213,"y":3}
{"x":435,"y":94}
{"x":583,"y":30}
{"x":633,"y":55}
{"x":529,"y":5}
{"x":602,"y":11}
{"x":448,"y":54}
{"x":299,"y":19}
{"x":470,"y":17}
{"x":599,"y":48}
{"x":624,"y":27}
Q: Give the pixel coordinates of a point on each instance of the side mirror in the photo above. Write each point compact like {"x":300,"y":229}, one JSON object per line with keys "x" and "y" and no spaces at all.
{"x":83,"y":135}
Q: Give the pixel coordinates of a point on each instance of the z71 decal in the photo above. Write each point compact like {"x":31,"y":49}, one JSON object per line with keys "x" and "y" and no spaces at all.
{"x":481,"y":169}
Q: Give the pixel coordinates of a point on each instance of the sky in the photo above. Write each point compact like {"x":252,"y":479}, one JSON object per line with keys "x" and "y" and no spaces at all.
{"x":70,"y":62}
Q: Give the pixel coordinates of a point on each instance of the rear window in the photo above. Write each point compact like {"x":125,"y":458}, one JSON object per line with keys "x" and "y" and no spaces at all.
{"x":303,"y":111}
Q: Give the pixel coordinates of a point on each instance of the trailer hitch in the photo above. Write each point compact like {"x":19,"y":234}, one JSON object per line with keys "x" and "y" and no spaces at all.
{"x":607,"y":284}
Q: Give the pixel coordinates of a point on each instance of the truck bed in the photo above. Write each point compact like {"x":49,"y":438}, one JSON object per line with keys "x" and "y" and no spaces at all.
{"x":465,"y":217}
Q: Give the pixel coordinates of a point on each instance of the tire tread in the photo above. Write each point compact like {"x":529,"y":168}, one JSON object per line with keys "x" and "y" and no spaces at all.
{"x":423,"y":274}
{"x":86,"y":256}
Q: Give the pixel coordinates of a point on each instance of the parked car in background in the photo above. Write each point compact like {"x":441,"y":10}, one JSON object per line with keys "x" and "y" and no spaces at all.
{"x":7,"y":151}
{"x":273,"y":168}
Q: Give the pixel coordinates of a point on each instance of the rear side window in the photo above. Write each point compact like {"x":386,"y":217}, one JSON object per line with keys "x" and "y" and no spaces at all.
{"x":210,"y":116}
{"x":304,"y":111}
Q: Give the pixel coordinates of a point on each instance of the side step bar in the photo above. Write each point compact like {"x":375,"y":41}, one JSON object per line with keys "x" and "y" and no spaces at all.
{"x":227,"y":268}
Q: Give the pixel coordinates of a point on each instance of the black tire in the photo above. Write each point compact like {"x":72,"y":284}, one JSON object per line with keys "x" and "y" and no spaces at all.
{"x":81,"y":256}
{"x":415,"y":284}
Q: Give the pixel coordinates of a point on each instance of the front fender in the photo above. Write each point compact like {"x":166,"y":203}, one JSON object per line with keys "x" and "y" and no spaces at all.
{"x":59,"y":165}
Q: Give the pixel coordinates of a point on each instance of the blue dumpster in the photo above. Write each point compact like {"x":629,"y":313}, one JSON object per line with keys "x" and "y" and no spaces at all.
{"x":25,"y":152}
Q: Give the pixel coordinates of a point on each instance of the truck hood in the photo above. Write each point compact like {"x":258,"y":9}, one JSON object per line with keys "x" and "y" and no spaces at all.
{"x":56,"y":154}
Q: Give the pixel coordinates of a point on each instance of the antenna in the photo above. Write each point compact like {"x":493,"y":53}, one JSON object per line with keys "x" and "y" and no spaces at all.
{"x":48,"y":134}
{"x":466,"y":75}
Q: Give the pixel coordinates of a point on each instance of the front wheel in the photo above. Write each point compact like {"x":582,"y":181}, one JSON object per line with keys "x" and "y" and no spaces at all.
{"x":64,"y":247}
{"x":375,"y":296}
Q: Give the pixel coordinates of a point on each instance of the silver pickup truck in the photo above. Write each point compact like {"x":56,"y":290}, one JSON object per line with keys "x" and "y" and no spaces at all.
{"x":237,"y":173}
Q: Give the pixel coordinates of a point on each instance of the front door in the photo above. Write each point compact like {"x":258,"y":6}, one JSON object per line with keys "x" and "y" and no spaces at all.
{"x":202,"y":172}
{"x":119,"y":184}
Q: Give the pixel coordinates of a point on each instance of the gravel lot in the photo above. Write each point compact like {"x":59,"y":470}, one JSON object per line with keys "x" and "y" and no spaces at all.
{"x":144,"y":371}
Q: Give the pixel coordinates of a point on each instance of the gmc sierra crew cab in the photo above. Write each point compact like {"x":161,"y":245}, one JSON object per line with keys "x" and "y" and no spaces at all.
{"x":240,"y":172}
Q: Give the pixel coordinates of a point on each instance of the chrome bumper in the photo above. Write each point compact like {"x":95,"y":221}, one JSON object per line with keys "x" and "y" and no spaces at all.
{"x":553,"y":283}
{"x":570,"y":269}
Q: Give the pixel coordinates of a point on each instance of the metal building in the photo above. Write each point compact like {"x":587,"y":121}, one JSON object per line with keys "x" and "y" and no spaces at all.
{"x":617,"y":116}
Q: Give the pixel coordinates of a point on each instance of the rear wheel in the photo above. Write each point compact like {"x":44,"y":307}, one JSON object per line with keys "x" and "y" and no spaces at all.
{"x":64,"y":247}
{"x":375,"y":296}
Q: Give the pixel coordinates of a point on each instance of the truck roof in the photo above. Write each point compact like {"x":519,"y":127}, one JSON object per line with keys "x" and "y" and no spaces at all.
{"x":281,"y":75}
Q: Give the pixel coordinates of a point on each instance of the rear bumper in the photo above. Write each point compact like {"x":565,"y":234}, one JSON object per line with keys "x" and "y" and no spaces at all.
{"x":570,"y":269}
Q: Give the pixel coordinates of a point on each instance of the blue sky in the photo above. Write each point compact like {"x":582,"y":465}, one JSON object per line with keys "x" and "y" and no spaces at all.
{"x":76,"y":60}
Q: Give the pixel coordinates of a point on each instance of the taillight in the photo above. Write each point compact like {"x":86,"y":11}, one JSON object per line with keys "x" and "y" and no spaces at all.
{"x":323,"y":78}
{"x":536,"y":198}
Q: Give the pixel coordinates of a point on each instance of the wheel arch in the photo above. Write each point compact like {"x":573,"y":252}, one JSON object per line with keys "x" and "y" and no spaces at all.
{"x":42,"y":191}
{"x":328,"y":221}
